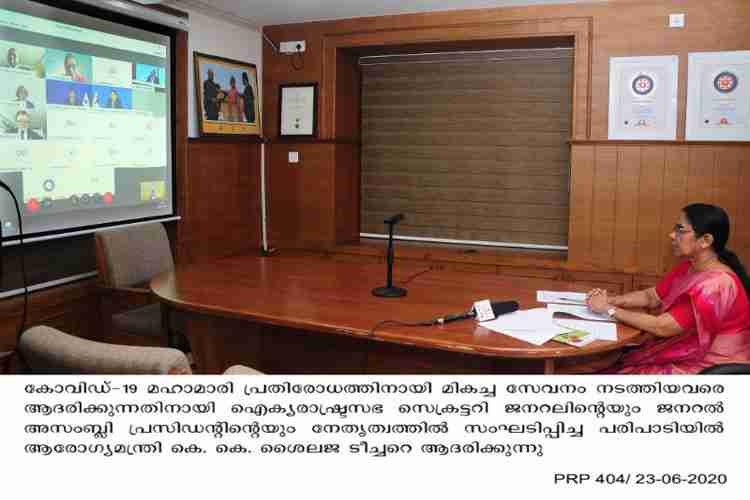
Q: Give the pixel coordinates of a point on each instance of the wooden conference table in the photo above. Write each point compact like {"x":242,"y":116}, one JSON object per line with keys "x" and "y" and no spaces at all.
{"x":294,"y":315}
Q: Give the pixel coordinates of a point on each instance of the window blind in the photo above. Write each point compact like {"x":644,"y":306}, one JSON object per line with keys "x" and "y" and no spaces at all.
{"x":470,"y":146}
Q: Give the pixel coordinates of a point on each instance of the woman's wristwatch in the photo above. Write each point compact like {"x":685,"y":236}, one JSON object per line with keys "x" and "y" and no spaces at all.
{"x":611,"y":312}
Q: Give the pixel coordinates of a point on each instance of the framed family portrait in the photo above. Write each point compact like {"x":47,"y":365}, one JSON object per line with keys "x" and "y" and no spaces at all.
{"x":297,"y":104}
{"x":227,"y":96}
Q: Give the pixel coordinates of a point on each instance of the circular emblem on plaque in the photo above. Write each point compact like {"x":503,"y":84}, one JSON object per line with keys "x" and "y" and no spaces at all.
{"x":725,"y":82}
{"x":643,"y":84}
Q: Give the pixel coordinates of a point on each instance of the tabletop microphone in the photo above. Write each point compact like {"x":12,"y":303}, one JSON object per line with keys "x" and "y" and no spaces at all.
{"x":395,"y":219}
{"x":498,"y":308}
{"x":389,"y":290}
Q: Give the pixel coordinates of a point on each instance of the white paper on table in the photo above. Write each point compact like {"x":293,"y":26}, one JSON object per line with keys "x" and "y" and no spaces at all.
{"x":534,"y":326}
{"x":578,"y":311}
{"x":599,"y":329}
{"x":561,"y":297}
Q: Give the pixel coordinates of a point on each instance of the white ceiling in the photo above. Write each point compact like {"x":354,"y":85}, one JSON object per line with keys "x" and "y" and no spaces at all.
{"x":259,"y":13}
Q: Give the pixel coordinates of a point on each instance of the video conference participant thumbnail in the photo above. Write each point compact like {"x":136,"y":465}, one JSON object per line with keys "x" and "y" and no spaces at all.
{"x":68,"y":66}
{"x":68,"y":93}
{"x":24,"y":89}
{"x":22,"y":58}
{"x":23,"y":129}
{"x":148,"y":74}
{"x":113,"y":97}
{"x":23,"y":124}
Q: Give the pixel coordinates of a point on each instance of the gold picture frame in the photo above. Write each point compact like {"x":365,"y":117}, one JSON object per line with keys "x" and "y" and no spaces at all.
{"x":224,"y":89}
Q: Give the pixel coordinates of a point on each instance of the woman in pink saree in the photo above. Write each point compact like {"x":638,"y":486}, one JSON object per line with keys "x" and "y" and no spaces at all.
{"x":705,"y":309}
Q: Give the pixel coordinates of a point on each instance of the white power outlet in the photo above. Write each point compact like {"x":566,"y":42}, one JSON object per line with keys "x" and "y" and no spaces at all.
{"x":676,"y":20}
{"x":292,"y":47}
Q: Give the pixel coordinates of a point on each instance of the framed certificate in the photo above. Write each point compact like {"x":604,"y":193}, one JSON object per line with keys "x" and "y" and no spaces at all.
{"x":643,"y":98}
{"x":297,"y":105}
{"x":718,"y":100}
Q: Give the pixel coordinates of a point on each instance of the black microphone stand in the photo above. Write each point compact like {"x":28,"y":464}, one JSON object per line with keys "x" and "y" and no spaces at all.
{"x":390,"y":291}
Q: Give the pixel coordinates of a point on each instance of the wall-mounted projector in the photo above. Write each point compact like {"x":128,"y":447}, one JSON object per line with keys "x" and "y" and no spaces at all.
{"x":133,"y":9}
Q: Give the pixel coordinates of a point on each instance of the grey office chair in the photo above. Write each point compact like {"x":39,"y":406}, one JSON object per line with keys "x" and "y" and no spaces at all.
{"x":241,"y":370}
{"x":127,"y":259}
{"x":45,"y":350}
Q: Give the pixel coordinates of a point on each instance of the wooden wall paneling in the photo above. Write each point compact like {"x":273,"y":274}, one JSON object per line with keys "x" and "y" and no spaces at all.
{"x":603,"y":209}
{"x":621,"y":28}
{"x":644,"y":281}
{"x":650,"y":236}
{"x":581,"y":98}
{"x":727,"y":180}
{"x":316,"y":194}
{"x":626,"y":207}
{"x":327,"y":92}
{"x":222,"y":215}
{"x":301,"y":197}
{"x":347,"y":104}
{"x":347,"y":193}
{"x":616,"y":28}
{"x":582,"y":180}
{"x":635,"y":28}
{"x":278,"y":69}
{"x":616,"y":283}
{"x":529,"y":29}
{"x":72,"y":308}
{"x":270,"y":94}
{"x":674,"y":198}
{"x":701,"y":168}
{"x":316,"y":201}
{"x":530,"y":272}
{"x":283,"y":201}
{"x":249,"y":231}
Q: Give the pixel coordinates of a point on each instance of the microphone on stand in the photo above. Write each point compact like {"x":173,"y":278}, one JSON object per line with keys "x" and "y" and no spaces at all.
{"x":390,"y":291}
{"x":498,"y":308}
{"x":394,"y":219}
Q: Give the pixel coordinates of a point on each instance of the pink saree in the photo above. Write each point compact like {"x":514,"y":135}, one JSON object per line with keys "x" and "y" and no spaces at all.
{"x":721,"y":333}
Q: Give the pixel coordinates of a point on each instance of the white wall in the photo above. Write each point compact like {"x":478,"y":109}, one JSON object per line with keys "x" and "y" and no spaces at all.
{"x":217,"y":37}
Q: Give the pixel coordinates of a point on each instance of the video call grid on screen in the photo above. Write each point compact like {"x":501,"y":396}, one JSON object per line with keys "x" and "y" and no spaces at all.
{"x":84,"y":118}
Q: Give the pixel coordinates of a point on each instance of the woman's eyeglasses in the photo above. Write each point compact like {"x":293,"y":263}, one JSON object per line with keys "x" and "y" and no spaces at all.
{"x":680,"y":230}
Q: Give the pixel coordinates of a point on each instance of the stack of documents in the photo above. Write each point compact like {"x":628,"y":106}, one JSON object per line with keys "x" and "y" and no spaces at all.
{"x":573,"y":303}
{"x":561,"y":297}
{"x":537,"y":326}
